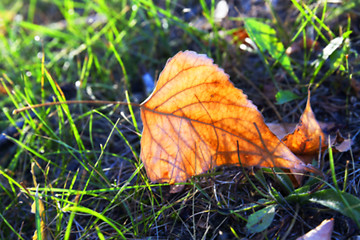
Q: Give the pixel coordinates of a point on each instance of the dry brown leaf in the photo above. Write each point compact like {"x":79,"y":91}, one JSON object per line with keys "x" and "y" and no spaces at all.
{"x":323,"y":231}
{"x":44,"y":232}
{"x":304,"y":139}
{"x":340,"y":144}
{"x":282,"y":129}
{"x":307,"y":137}
{"x":196,"y":120}
{"x":239,"y":36}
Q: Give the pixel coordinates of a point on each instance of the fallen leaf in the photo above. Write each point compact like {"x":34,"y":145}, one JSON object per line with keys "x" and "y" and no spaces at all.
{"x":282,"y":129}
{"x":305,"y":141}
{"x":307,"y":137}
{"x":196,"y":120}
{"x":323,"y":231}
{"x":239,"y":36}
{"x":340,"y":144}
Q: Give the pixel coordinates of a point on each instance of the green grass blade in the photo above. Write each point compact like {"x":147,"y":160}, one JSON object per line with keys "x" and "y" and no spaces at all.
{"x":95,"y":214}
{"x":265,"y":38}
{"x":38,"y":219}
{"x":11,"y":228}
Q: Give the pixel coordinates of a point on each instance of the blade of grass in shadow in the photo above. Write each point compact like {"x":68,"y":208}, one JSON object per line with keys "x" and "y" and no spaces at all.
{"x":91,"y":135}
{"x":332,"y":165}
{"x":98,"y":163}
{"x":70,"y":220}
{"x":281,"y":177}
{"x":74,"y":209}
{"x":7,"y":192}
{"x":248,"y":178}
{"x":62,"y":203}
{"x":11,"y":228}
{"x":119,"y":132}
{"x":22,"y":137}
{"x":85,"y":71}
{"x":281,"y":30}
{"x":14,"y":182}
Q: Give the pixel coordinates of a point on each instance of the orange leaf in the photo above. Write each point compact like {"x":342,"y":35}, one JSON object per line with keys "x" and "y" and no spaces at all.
{"x":196,"y":120}
{"x":305,"y":140}
{"x":240,"y":35}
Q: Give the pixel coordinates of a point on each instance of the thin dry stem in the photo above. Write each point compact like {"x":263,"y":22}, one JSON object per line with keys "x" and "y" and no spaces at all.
{"x":16,"y":111}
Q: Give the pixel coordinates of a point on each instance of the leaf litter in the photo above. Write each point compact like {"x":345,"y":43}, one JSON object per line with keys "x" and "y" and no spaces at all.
{"x":189,"y":129}
{"x":196,"y":120}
